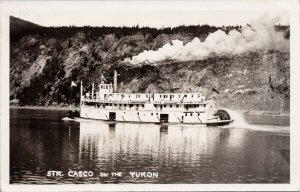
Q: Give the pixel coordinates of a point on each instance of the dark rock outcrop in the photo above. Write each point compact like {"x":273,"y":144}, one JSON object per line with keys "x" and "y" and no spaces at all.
{"x":44,"y":61}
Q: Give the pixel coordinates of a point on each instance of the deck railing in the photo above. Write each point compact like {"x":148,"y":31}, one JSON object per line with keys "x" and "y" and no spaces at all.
{"x":143,"y":101}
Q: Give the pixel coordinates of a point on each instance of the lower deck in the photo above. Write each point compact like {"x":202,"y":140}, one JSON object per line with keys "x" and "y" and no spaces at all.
{"x":143,"y":116}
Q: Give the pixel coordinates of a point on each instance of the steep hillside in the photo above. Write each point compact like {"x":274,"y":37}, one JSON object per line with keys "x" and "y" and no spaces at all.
{"x":20,"y":27}
{"x":250,"y":81}
{"x":46,"y":60}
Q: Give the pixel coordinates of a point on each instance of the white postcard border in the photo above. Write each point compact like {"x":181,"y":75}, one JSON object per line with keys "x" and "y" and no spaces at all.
{"x":8,"y":8}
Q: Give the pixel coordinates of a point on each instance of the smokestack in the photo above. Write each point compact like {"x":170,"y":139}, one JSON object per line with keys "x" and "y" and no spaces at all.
{"x":101,"y":79}
{"x":115,"y":81}
{"x":80,"y":92}
{"x":93,"y":91}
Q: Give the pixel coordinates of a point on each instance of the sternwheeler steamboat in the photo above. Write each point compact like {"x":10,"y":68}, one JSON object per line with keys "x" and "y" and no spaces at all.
{"x":188,"y":108}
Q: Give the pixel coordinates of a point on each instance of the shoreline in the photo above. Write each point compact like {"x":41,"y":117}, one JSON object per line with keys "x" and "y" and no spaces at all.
{"x":66,"y":108}
{"x":58,"y":108}
{"x":267,"y":113}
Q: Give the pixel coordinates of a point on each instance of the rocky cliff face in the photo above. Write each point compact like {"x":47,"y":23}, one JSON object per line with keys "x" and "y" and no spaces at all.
{"x":45,"y":61}
{"x":250,"y":81}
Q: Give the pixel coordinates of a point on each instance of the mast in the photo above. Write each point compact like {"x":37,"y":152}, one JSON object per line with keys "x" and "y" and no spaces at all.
{"x":102,"y":78}
{"x":70,"y":99}
{"x":115,"y":81}
{"x":93,"y":91}
{"x":80,"y":92}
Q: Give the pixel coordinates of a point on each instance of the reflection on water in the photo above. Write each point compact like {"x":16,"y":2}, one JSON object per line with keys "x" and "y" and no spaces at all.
{"x":41,"y":141}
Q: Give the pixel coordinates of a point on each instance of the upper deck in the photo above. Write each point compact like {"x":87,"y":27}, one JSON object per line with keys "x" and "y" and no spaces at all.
{"x":156,"y":98}
{"x":105,"y":94}
{"x":106,"y":98}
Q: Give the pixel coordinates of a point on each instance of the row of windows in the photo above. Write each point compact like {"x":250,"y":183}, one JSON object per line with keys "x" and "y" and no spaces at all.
{"x":155,"y":105}
{"x":190,"y":106}
{"x":142,"y":105}
{"x":125,"y":105}
{"x":186,"y":114}
{"x":120,"y":105}
{"x":179,"y":96}
{"x":160,"y":96}
{"x":103,"y":86}
{"x":191,"y":114}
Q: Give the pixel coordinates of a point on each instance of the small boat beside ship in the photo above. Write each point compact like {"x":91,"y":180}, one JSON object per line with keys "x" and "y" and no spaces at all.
{"x":185,"y":108}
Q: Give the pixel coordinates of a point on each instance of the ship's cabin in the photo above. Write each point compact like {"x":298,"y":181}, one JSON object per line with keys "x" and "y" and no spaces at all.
{"x":105,"y":95}
{"x":105,"y":92}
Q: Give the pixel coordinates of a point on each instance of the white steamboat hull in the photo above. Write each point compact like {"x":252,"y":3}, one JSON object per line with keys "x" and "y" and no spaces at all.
{"x":143,"y":116}
{"x":108,"y":105}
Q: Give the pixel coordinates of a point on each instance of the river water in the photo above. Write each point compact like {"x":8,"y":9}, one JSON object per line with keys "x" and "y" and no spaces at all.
{"x":40,"y":141}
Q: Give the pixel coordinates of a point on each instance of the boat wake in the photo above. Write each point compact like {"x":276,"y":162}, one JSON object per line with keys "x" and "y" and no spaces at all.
{"x":240,"y":122}
{"x":238,"y":119}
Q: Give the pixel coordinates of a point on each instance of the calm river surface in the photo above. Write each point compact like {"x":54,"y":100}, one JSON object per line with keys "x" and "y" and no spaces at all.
{"x":243,"y":153}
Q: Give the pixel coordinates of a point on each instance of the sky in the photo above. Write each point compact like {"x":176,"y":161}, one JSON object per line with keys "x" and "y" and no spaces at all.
{"x":155,"y":14}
